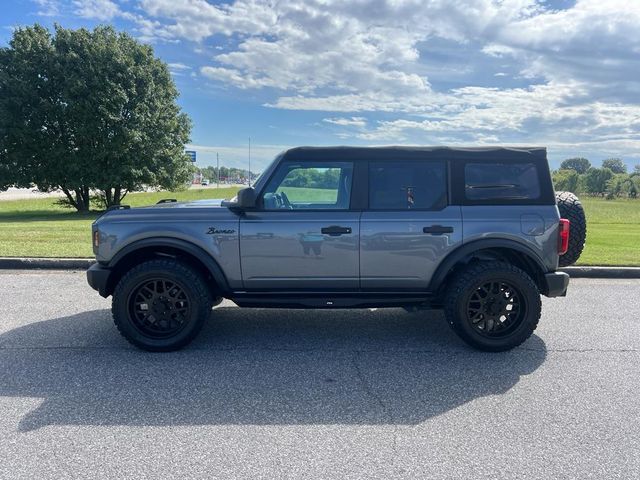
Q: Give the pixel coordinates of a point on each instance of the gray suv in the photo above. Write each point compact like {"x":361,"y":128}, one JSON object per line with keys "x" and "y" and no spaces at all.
{"x":474,"y":231}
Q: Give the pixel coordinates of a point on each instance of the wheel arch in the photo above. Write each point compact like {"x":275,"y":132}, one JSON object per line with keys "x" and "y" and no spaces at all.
{"x":151,"y":248}
{"x":516,"y":253}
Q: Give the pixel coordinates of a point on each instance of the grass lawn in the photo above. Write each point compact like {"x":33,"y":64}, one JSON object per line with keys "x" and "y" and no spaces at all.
{"x":39,"y":228}
{"x":613,"y":232}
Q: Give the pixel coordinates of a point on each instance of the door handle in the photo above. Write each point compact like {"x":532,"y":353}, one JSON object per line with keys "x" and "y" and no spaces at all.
{"x":335,"y":230}
{"x":437,"y":230}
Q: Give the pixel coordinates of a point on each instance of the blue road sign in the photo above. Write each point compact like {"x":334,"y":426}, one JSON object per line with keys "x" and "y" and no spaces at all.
{"x":192,"y":154}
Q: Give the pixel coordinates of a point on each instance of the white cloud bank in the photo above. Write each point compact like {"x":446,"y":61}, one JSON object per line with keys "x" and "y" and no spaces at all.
{"x":573,"y":77}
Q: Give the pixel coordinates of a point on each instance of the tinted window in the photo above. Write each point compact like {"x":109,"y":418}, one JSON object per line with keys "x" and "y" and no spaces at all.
{"x":501,"y":181}
{"x":407,"y":185}
{"x":310,"y":186}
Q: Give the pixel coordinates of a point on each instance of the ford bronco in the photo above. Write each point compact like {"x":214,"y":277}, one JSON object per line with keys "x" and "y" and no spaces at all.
{"x":473,"y":231}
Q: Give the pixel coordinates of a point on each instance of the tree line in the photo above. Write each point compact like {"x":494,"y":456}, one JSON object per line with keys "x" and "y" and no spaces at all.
{"x":610,"y":181}
{"x":227,"y":174}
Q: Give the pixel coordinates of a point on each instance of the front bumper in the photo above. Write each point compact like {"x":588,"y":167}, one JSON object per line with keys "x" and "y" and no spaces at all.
{"x":556,"y":284}
{"x":98,"y":279}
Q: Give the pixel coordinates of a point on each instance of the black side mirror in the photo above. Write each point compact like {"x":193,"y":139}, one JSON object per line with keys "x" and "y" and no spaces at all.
{"x":246,"y":200}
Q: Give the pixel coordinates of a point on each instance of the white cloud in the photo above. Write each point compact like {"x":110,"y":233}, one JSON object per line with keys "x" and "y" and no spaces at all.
{"x":179,"y":66}
{"x":359,"y":122}
{"x":103,"y":10}
{"x":48,"y":8}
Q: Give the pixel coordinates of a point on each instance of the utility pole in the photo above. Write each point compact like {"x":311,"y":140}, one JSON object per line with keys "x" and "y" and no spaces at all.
{"x":249,"y":161}
{"x":217,"y":170}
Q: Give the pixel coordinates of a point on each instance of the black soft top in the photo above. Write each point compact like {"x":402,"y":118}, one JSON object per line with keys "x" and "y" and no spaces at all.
{"x":452,"y":153}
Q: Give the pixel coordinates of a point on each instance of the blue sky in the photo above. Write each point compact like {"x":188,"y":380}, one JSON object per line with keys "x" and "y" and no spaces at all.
{"x":561,"y":74}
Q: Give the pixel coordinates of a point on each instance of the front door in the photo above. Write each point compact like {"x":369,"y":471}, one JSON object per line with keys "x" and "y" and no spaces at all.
{"x":303,"y":234}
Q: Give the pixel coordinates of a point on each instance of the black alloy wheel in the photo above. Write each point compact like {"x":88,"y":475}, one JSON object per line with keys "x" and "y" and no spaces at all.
{"x":495,"y":308}
{"x":159,"y":307}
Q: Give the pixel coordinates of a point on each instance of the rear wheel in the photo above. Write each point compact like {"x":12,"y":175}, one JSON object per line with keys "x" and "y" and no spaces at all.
{"x":161,"y":305}
{"x":493,"y":306}
{"x":571,"y":209}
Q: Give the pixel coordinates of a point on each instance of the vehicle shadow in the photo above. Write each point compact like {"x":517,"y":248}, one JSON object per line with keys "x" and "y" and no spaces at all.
{"x":257,"y":367}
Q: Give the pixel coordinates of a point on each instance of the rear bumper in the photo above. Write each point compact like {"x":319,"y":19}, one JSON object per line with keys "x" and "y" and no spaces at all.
{"x":98,"y":279}
{"x":556,"y":284}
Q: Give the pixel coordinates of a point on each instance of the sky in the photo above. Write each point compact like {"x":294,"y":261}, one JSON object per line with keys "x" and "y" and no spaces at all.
{"x":559,"y":73}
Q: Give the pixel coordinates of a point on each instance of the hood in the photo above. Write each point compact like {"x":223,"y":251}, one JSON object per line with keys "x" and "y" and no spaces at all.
{"x":208,"y":203}
{"x":167,"y":211}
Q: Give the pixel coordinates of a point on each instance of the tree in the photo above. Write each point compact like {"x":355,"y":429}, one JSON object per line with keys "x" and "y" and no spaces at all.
{"x":579,"y":164}
{"x":616,"y":165}
{"x":85,"y":111}
{"x":636,"y":169}
{"x":617,"y":185}
{"x":566,"y":180}
{"x":595,"y":180}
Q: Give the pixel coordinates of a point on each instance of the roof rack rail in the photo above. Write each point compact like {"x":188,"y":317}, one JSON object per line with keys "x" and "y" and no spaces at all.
{"x":118,"y":207}
{"x":167,"y":200}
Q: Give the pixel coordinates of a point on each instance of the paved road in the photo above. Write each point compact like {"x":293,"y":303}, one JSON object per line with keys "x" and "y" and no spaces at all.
{"x":294,"y":394}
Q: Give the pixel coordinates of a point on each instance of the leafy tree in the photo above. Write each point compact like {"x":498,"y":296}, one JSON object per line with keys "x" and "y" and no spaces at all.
{"x":634,"y":188}
{"x":618,"y":185}
{"x":566,"y":180}
{"x":87,"y":111}
{"x":636,"y":169}
{"x":579,"y":164}
{"x":616,"y":165}
{"x":595,"y":180}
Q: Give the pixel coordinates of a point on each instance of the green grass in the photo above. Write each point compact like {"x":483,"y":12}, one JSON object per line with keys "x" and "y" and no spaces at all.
{"x":319,"y":195}
{"x":613,"y":232}
{"x":40,"y":228}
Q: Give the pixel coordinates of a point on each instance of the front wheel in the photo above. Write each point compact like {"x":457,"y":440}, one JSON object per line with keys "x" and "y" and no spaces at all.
{"x":161,"y":305}
{"x":493,"y":306}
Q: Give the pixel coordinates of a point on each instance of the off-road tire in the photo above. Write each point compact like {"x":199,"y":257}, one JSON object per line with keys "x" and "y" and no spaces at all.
{"x":469,"y":281}
{"x":571,"y":209}
{"x":189,"y":280}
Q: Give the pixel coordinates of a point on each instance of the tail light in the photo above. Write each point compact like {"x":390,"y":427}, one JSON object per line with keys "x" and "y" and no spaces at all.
{"x":563,"y":236}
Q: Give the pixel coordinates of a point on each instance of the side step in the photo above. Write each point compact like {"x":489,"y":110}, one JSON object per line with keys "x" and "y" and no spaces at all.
{"x":330,"y":300}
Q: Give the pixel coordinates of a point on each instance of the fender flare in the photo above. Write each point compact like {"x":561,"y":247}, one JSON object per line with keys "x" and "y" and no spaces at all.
{"x":468,"y":248}
{"x":194,"y":250}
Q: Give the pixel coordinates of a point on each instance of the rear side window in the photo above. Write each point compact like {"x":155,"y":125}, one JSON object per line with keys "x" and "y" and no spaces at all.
{"x":501,"y":181}
{"x":401,"y":185}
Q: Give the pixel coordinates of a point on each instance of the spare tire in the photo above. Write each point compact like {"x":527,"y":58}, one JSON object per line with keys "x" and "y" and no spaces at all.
{"x":571,"y":209}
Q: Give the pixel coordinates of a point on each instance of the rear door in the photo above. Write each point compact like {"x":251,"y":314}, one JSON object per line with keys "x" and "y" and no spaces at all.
{"x":409,"y":226}
{"x":304,"y":234}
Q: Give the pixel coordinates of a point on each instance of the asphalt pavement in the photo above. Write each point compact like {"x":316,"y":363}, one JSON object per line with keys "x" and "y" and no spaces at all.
{"x":316,"y":394}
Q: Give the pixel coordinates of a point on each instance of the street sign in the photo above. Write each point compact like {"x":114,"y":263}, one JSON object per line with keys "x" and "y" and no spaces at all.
{"x":192,"y":154}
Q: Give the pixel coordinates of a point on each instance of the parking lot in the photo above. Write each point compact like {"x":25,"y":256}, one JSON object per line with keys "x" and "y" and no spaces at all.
{"x":316,"y":394}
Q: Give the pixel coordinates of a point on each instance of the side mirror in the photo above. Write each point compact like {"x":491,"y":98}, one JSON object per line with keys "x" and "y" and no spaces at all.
{"x":245,"y":200}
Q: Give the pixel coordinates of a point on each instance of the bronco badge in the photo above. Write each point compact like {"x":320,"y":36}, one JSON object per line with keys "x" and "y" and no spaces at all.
{"x":214,"y":231}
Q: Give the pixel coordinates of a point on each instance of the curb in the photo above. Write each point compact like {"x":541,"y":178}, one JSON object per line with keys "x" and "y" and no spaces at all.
{"x":602,"y":272}
{"x":11,"y":263}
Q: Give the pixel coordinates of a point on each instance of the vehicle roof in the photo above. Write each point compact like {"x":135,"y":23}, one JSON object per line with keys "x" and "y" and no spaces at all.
{"x":462,"y":153}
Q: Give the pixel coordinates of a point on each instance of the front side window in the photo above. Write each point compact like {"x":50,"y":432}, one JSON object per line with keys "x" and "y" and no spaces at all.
{"x":397,"y":185}
{"x":501,"y":181}
{"x":310,"y":186}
